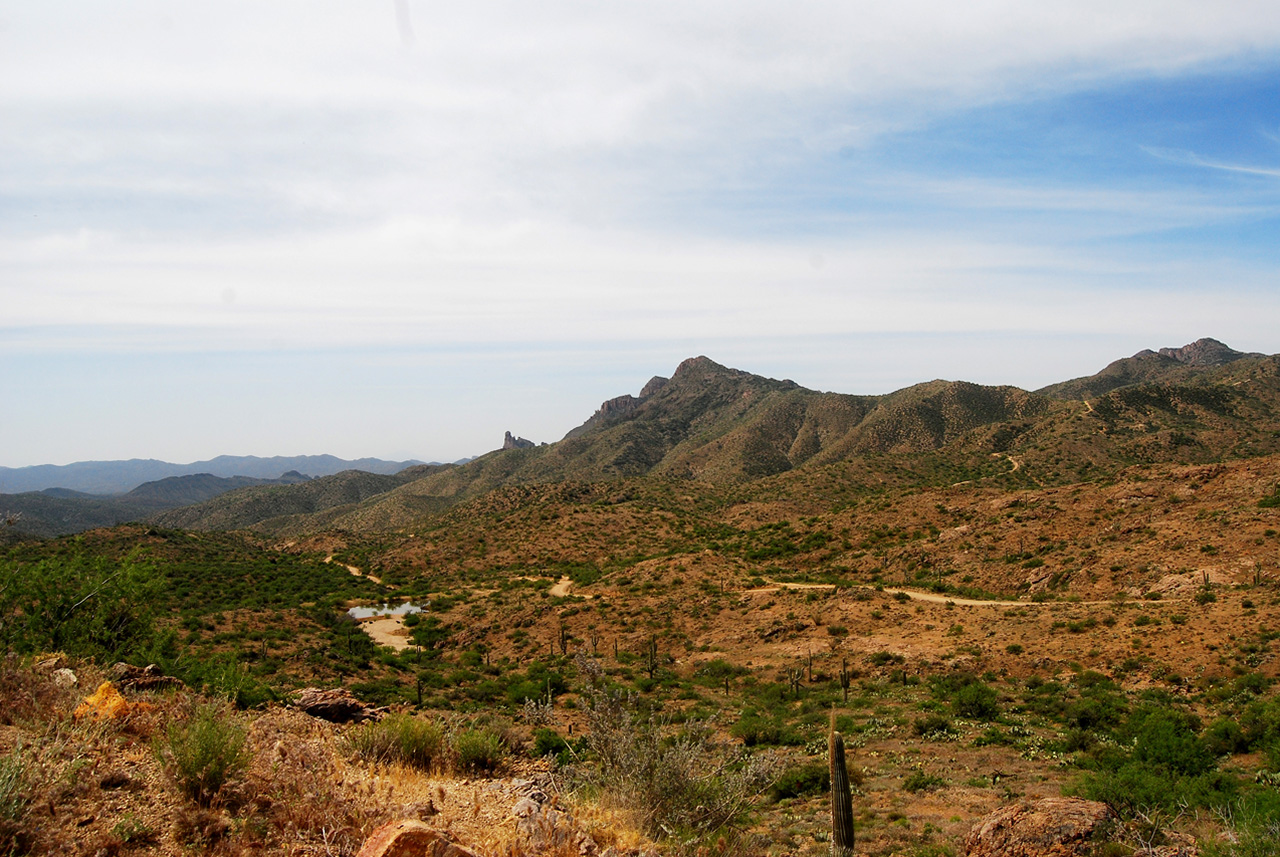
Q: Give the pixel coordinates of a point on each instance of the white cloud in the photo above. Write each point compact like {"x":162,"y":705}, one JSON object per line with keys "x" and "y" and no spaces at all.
{"x":525,"y":182}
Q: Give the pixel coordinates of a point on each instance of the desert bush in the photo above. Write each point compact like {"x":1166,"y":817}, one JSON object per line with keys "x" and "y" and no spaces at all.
{"x":398,"y":738}
{"x":1252,"y":827}
{"x":204,"y":752}
{"x":934,"y":726}
{"x":547,"y":742}
{"x":673,"y":781}
{"x":1164,"y":765}
{"x":1224,"y":736}
{"x":477,"y":751}
{"x":79,"y":605}
{"x":754,"y":731}
{"x":919,"y":781}
{"x":976,"y":701}
{"x":13,"y":800}
{"x":1168,"y":739}
{"x":1260,"y":721}
{"x":809,"y":778}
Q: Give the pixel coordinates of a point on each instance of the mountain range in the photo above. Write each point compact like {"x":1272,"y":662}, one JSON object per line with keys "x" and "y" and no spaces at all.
{"x":711,"y":425}
{"x":118,"y":477}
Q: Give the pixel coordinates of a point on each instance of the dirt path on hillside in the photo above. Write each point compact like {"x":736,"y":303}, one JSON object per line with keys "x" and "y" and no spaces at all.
{"x":561,"y":588}
{"x":918,"y":595}
{"x":354,"y":570}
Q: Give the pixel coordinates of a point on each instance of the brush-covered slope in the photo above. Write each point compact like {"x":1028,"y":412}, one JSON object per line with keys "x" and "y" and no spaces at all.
{"x":250,"y":506}
{"x":1166,"y":366}
{"x":59,"y":511}
{"x":715,"y":426}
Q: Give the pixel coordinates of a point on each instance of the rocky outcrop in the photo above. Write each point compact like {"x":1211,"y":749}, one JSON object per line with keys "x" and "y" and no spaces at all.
{"x":144,"y":678}
{"x":1051,"y":827}
{"x":510,"y":441}
{"x":656,"y":383}
{"x":1204,"y":352}
{"x":411,"y":838}
{"x":333,"y":704}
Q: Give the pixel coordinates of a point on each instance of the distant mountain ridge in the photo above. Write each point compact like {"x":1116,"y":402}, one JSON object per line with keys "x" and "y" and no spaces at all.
{"x":1167,"y":364}
{"x":119,"y":477}
{"x":55,"y":511}
{"x":736,"y":432}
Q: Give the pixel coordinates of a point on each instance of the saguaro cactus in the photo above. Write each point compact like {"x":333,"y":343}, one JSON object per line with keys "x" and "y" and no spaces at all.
{"x":841,"y":796}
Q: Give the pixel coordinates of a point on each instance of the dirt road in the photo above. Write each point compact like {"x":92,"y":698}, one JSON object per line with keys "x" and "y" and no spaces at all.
{"x":354,"y":570}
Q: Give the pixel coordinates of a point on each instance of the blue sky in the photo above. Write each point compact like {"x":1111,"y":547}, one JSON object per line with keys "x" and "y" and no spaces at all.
{"x":399,"y":229}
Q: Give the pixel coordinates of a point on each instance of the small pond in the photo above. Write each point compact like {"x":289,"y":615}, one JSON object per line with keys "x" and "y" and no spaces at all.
{"x":404,"y":609}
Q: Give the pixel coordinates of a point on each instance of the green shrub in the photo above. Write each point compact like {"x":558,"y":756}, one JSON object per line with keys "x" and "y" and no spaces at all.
{"x":934,"y":726}
{"x":1168,"y":739}
{"x":204,"y":752}
{"x":1253,"y":827}
{"x":976,"y":701}
{"x":992,"y":736}
{"x":756,"y":731}
{"x":919,"y":781}
{"x":684,"y":783}
{"x":809,"y":778}
{"x":477,"y":751}
{"x":398,"y":738}
{"x":13,"y":801}
{"x":547,"y":742}
{"x":1224,"y":736}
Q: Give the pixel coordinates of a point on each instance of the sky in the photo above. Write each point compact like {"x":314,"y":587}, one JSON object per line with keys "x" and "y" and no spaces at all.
{"x":398,"y":229}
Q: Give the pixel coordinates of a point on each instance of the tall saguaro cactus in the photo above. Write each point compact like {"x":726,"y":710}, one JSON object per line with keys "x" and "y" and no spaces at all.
{"x":841,"y":795}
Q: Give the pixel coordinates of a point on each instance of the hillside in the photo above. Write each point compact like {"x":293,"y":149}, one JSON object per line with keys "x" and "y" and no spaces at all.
{"x":1166,"y":366}
{"x":722,"y":427}
{"x":279,"y":504}
{"x":56,"y":511}
{"x":999,"y":596}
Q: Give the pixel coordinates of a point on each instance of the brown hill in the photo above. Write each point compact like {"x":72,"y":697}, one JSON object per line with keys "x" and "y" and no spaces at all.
{"x":725,"y":427}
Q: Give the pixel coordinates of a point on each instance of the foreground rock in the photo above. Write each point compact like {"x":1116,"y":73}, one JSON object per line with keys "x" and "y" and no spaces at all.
{"x":333,"y":704}
{"x":1052,"y":827}
{"x":411,"y":838}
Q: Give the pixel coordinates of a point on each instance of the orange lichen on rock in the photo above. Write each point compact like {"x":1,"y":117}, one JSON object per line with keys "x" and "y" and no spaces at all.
{"x":106,"y":703}
{"x":411,"y":838}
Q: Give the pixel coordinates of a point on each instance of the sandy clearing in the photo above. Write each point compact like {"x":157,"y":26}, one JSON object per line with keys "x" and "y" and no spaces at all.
{"x":561,"y":588}
{"x":387,"y":631}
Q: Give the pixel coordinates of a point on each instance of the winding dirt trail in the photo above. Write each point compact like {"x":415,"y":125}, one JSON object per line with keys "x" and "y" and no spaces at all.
{"x":561,"y":588}
{"x":354,"y":570}
{"x":919,"y":595}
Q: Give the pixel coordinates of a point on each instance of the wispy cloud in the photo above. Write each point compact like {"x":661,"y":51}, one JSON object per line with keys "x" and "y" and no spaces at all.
{"x":268,"y":179}
{"x":1192,"y":159}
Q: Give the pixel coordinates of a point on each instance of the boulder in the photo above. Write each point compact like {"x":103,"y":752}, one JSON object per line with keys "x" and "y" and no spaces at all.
{"x":1051,"y":827}
{"x":333,"y":704}
{"x":411,"y":838}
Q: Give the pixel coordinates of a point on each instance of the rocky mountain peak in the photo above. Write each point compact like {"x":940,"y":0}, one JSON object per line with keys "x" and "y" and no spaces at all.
{"x":1203,"y":352}
{"x":510,"y":441}
{"x":656,"y":383}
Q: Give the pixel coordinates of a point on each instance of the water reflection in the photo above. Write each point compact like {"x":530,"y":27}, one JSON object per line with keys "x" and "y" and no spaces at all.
{"x":385,"y":610}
